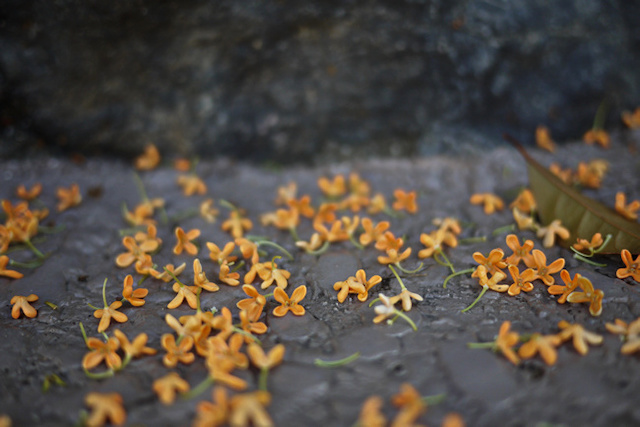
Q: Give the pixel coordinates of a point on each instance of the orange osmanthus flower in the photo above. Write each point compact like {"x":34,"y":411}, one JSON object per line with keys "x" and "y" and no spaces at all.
{"x":4,"y":260}
{"x":493,"y":263}
{"x":68,"y":197}
{"x":599,"y":136}
{"x":584,"y":245}
{"x":405,"y":201}
{"x":184,"y":241}
{"x":521,"y":281}
{"x":629,"y":211}
{"x":177,"y":352}
{"x":134,"y":297}
{"x":632,"y":120}
{"x":137,"y":347}
{"x":289,"y":304}
{"x":371,"y":413}
{"x":588,"y":294}
{"x":332,"y":189}
{"x":166,"y":277}
{"x":581,"y":337}
{"x":543,"y":344}
{"x":149,"y":159}
{"x":134,"y":252}
{"x":107,"y":313}
{"x":491,"y":202}
{"x":22,"y":303}
{"x":263,"y":360}
{"x":104,"y":408}
{"x":543,"y":139}
{"x":544,"y":271}
{"x":570,"y":285}
{"x":548,"y":233}
{"x":192,"y":184}
{"x":102,"y":351}
{"x":525,"y":202}
{"x":506,"y":340}
{"x":632,"y":267}
{"x":254,"y":304}
{"x":520,"y":252}
{"x":236,"y":224}
{"x":168,"y":386}
{"x":31,"y":194}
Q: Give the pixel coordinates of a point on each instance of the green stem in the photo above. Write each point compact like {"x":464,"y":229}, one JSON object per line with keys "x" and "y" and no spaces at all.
{"x":604,"y":244}
{"x":275,"y":245}
{"x":294,"y":234}
{"x":93,"y":306}
{"x":484,"y":290}
{"x":262,"y":381}
{"x":84,"y":334}
{"x":174,"y":276}
{"x":32,"y":264}
{"x":407,"y":318}
{"x":143,"y":278}
{"x":405,"y":271}
{"x":583,"y":258}
{"x":391,"y":212}
{"x":500,"y":230}
{"x":434,"y":399}
{"x":100,"y":376}
{"x":322,"y":249}
{"x":131,"y":230}
{"x":480,"y":345}
{"x":199,"y":389}
{"x":473,"y":240}
{"x":337,"y":363}
{"x":246,"y":334}
{"x":446,"y":263}
{"x":375,"y":300}
{"x":50,"y":230}
{"x":601,"y":115}
{"x":51,"y":305}
{"x":404,"y":288}
{"x":189,"y":213}
{"x":104,"y":295}
{"x":355,"y":242}
{"x":227,"y":204}
{"x":34,"y":249}
{"x":237,"y":267}
{"x":140,"y":186}
{"x":457,"y":273}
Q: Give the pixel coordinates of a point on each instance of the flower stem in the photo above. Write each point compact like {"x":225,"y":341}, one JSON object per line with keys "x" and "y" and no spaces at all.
{"x":355,"y":242}
{"x":457,"y":273}
{"x":32,"y":264}
{"x":434,"y":399}
{"x":583,"y":258}
{"x":336,"y":363}
{"x":104,"y":295}
{"x":174,"y":276}
{"x":484,"y":290}
{"x":275,"y":245}
{"x":34,"y":249}
{"x":473,"y":240}
{"x":476,"y":345}
{"x":246,"y":334}
{"x":140,"y":185}
{"x":505,"y":228}
{"x":407,"y":318}
{"x":199,"y":389}
{"x":51,"y":305}
{"x":601,"y":115}
{"x":50,"y":230}
{"x":84,"y":334}
{"x":375,"y":300}
{"x":322,"y":249}
{"x":294,"y":234}
{"x":405,"y":271}
{"x":100,"y":376}
{"x":262,"y":381}
{"x":446,"y":262}
{"x":404,"y":288}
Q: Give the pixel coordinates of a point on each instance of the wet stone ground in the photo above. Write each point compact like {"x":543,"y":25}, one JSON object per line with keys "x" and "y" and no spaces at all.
{"x":487,"y":390}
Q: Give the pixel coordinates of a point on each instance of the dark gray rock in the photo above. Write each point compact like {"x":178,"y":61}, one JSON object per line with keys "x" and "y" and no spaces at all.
{"x":289,"y":81}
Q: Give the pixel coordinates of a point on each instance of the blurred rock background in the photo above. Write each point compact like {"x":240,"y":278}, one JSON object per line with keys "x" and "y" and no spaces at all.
{"x":284,"y":81}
